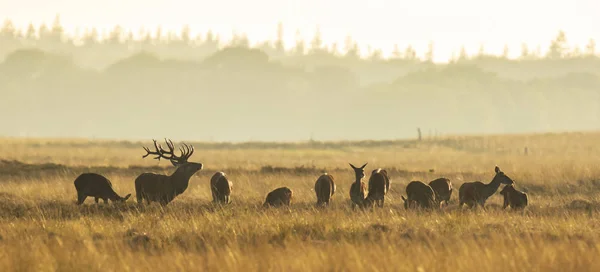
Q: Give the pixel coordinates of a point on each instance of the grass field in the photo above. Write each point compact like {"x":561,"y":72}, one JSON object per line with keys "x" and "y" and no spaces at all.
{"x":41,"y":228}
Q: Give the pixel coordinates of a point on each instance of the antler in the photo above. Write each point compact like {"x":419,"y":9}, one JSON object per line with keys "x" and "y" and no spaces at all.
{"x":186,"y":152}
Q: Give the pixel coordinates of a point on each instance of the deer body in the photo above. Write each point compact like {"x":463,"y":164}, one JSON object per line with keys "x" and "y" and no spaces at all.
{"x":514,"y":198}
{"x":477,"y":193}
{"x":220,"y":187}
{"x":278,"y":197}
{"x":324,"y":188}
{"x":97,"y":186}
{"x":379,"y":184}
{"x":442,"y":188}
{"x":358,"y":189}
{"x":419,"y":194}
{"x":162,"y":188}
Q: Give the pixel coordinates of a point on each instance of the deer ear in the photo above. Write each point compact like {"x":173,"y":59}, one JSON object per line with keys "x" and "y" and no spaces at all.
{"x":403,"y":198}
{"x":497,"y":169}
{"x":127,"y":197}
{"x":364,"y":165}
{"x":351,"y":165}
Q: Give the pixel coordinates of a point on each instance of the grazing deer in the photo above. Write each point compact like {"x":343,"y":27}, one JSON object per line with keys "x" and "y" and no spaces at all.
{"x":97,"y":186}
{"x":476,"y":193}
{"x":358,"y":190}
{"x":442,"y":188}
{"x":514,"y":198}
{"x":324,"y":188}
{"x":419,"y":194}
{"x":379,"y":184}
{"x":278,"y":197}
{"x":162,"y":188}
{"x":220,"y":186}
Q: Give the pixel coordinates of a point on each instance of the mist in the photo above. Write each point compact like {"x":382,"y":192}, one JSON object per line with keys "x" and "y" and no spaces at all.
{"x":202,"y":88}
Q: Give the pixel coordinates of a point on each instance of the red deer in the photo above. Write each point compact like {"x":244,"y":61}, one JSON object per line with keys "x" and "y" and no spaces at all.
{"x":514,"y":198}
{"x":419,"y":194}
{"x":220,"y":186}
{"x":358,"y":190}
{"x":442,"y":188}
{"x":324,"y":188}
{"x":379,"y":184}
{"x":97,"y":186}
{"x":278,"y":197}
{"x":162,"y":188}
{"x":476,"y":193}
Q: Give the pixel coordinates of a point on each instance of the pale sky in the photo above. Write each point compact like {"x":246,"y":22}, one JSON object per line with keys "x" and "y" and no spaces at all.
{"x":379,"y":23}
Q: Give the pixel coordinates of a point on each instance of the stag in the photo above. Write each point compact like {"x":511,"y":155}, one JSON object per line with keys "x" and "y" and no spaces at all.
{"x":97,"y":186}
{"x":477,"y":193}
{"x":220,"y":186}
{"x":379,"y":185}
{"x":358,"y":188}
{"x":162,"y":188}
{"x":324,"y":188}
{"x":419,"y":194}
{"x":279,"y":197}
{"x":442,"y":188}
{"x":514,"y":198}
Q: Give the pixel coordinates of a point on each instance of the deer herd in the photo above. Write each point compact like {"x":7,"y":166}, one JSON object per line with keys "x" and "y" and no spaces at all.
{"x":151,"y":187}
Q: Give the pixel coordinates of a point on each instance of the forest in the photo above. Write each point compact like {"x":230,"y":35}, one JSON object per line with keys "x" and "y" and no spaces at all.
{"x":112,"y":85}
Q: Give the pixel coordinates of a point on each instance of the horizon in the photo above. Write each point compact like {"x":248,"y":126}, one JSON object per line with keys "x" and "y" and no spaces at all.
{"x":467,"y":23}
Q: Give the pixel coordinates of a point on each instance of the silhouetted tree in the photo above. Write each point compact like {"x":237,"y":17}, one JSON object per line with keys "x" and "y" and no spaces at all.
{"x":30,"y":34}
{"x":316,"y":44}
{"x":185,"y":34}
{"x":590,"y":48}
{"x":410,"y":53}
{"x":462,"y":56}
{"x":524,"y":51}
{"x":299,"y":49}
{"x":505,"y":51}
{"x":279,"y":42}
{"x":558,"y":46}
{"x":8,"y":30}
{"x":429,"y":54}
{"x":57,"y":31}
{"x":351,"y":48}
{"x":115,"y":36}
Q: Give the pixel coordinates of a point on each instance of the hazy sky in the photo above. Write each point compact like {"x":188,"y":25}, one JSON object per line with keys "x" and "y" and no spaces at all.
{"x":380,"y":23}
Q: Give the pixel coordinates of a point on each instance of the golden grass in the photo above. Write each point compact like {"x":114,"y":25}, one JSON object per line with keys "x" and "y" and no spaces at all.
{"x":41,"y":228}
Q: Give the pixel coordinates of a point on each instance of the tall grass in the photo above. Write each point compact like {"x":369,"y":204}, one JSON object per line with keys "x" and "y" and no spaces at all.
{"x":41,"y":228}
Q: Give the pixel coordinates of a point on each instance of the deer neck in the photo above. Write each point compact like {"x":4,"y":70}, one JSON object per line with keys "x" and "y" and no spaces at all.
{"x":358,"y":180}
{"x":180,"y":180}
{"x":491,"y":188}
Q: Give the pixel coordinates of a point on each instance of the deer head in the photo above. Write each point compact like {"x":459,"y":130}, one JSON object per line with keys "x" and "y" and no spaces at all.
{"x":186,"y":152}
{"x":359,"y":171}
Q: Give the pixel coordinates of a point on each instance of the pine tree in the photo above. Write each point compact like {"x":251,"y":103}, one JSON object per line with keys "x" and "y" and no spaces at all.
{"x":351,"y":48}
{"x":316,"y":45}
{"x":481,"y":52}
{"x":185,"y":34}
{"x":279,"y":42}
{"x":57,"y":31}
{"x":410,"y":53}
{"x":524,"y":51}
{"x":300,"y":44}
{"x":505,"y":52}
{"x":115,"y":36}
{"x":558,"y":46}
{"x":462,"y":56}
{"x":396,"y":54}
{"x":8,"y":30}
{"x":30,"y":33}
{"x":590,"y":48}
{"x":429,"y":54}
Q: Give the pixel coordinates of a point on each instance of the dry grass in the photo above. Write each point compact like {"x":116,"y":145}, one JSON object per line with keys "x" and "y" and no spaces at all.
{"x":41,"y":228}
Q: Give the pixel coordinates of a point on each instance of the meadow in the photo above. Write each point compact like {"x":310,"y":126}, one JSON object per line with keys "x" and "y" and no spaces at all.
{"x":42,"y":229}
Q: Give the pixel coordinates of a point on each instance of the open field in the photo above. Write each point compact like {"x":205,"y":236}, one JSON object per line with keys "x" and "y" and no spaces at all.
{"x":41,"y":228}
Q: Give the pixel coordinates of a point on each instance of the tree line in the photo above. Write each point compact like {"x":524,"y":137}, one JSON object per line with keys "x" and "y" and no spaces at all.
{"x":240,"y":92}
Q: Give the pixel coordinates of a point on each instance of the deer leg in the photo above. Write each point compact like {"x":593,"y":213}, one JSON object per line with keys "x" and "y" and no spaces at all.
{"x":105,"y":200}
{"x":81,"y":198}
{"x":96,"y":199}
